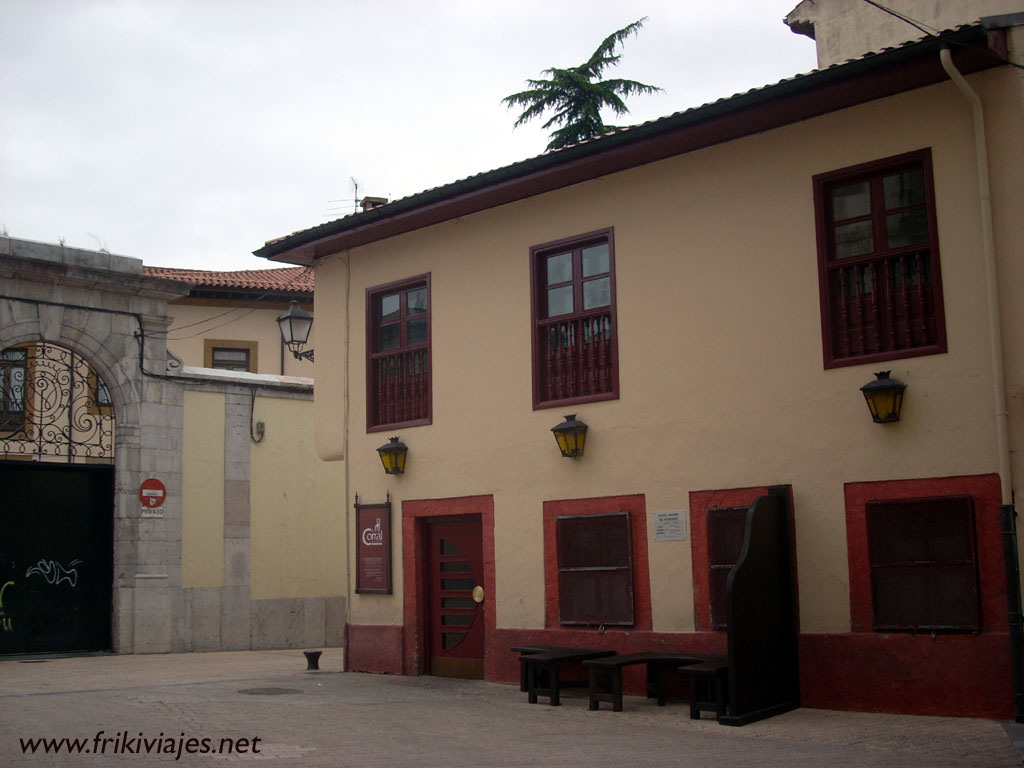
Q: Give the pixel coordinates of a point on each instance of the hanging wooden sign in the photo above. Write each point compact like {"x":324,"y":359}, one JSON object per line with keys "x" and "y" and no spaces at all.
{"x":373,"y":547}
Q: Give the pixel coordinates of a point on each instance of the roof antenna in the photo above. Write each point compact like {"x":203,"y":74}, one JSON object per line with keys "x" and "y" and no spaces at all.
{"x":355,"y":198}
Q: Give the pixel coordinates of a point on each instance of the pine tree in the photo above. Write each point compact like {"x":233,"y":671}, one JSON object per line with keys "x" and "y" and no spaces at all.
{"x":577,"y":96}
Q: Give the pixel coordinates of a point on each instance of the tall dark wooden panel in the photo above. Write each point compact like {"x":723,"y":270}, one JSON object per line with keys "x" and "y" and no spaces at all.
{"x":764,"y":675}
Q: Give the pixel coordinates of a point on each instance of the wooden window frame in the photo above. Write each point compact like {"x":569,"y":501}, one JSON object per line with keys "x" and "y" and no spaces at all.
{"x":617,"y":615}
{"x":374,"y":421}
{"x":719,"y":566}
{"x":700,"y":503}
{"x":251,"y":347}
{"x":964,"y":568}
{"x":538,"y":282}
{"x":880,"y":262}
{"x":635,"y":507}
{"x":986,"y":492}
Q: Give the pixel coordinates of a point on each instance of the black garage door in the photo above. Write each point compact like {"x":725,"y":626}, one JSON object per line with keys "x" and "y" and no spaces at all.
{"x":56,"y":557}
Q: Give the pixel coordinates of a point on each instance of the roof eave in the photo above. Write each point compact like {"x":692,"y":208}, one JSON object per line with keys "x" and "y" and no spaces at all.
{"x":799,"y":98}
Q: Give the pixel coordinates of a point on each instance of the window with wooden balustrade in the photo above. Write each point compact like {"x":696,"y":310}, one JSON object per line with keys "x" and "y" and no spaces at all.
{"x":398,"y":360}
{"x":575,"y":352}
{"x":878,"y":258}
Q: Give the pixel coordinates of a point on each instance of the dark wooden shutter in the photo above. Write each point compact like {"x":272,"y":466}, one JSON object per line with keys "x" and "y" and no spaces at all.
{"x":595,"y":569}
{"x":924,"y":572}
{"x":726,"y":526}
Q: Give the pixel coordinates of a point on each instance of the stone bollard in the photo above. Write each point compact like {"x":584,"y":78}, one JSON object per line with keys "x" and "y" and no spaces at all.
{"x":312,"y":659}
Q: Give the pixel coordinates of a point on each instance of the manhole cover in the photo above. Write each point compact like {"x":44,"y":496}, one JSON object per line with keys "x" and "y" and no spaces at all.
{"x":270,"y":691}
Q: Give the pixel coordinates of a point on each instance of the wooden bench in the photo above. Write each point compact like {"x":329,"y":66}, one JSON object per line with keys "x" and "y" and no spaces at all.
{"x":542,"y":671}
{"x":606,"y":674}
{"x":709,"y":686}
{"x":527,"y":650}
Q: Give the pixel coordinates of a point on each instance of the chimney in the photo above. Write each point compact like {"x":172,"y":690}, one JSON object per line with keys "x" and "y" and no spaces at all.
{"x":369,"y":203}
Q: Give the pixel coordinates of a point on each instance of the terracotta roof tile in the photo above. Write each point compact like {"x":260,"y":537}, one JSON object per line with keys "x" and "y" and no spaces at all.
{"x":288,"y":279}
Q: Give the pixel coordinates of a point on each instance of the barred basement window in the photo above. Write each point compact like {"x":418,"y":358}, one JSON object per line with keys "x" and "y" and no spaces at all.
{"x":924,"y":570}
{"x":575,"y":353}
{"x":878,"y":260}
{"x":595,"y":569}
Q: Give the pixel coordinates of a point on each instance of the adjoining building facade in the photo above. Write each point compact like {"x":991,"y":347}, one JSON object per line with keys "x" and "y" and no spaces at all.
{"x":709,"y":293}
{"x":150,"y":506}
{"x":228,"y":319}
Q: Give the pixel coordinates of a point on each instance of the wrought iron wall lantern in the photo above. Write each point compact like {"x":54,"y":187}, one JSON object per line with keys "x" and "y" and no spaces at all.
{"x":570,"y":436}
{"x":295,"y":325}
{"x":392,"y":456}
{"x":884,"y":397}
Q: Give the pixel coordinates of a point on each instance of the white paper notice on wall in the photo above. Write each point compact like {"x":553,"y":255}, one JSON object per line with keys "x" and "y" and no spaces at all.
{"x":670,"y":525}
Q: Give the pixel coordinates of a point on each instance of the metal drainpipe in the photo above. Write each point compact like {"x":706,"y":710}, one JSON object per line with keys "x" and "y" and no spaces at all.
{"x":1007,"y":512}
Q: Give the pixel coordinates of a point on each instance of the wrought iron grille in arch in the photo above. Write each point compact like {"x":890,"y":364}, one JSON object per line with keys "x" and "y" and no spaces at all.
{"x":53,"y":407}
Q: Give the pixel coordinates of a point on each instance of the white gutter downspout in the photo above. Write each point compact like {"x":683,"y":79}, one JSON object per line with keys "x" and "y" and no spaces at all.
{"x":991,"y":277}
{"x":1007,"y":513}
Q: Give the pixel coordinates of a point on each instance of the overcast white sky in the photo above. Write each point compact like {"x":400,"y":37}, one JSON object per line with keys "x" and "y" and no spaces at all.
{"x":188,"y":132}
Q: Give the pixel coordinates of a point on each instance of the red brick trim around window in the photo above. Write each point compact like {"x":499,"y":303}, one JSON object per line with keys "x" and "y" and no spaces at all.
{"x":985,"y":491}
{"x":700,"y":502}
{"x":637,"y":508}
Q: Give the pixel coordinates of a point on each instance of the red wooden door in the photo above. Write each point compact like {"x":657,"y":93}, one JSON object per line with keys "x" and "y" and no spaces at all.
{"x":457,"y":602}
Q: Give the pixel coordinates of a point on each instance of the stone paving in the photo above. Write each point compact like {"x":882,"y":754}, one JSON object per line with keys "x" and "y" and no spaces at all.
{"x":333,"y":718}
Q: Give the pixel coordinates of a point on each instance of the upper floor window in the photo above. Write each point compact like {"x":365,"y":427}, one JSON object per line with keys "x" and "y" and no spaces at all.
{"x":13,"y":364}
{"x":230,"y":355}
{"x":398,"y":364}
{"x":575,"y":354}
{"x":878,"y":257}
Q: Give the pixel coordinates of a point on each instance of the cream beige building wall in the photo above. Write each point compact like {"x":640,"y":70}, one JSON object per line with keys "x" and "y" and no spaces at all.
{"x":263,"y":536}
{"x":847,"y":29}
{"x":720,"y":351}
{"x":197,"y":324}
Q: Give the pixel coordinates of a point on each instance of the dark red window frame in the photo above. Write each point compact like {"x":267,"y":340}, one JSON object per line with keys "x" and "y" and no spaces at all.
{"x":635,"y":506}
{"x":398,"y":377}
{"x":882,"y":300}
{"x":575,"y":354}
{"x":924,"y":565}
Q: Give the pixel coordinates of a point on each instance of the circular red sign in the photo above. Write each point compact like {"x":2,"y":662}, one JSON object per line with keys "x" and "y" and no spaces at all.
{"x":152,"y":493}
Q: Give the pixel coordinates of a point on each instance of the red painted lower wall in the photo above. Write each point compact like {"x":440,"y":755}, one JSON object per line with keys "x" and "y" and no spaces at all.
{"x":948,"y":675}
{"x":953,"y":675}
{"x":374,"y":649}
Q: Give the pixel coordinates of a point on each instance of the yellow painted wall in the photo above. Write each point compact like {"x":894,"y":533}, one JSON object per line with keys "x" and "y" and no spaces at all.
{"x":202,"y":516}
{"x":719,"y":347}
{"x":298,"y":508}
{"x":193,"y":323}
